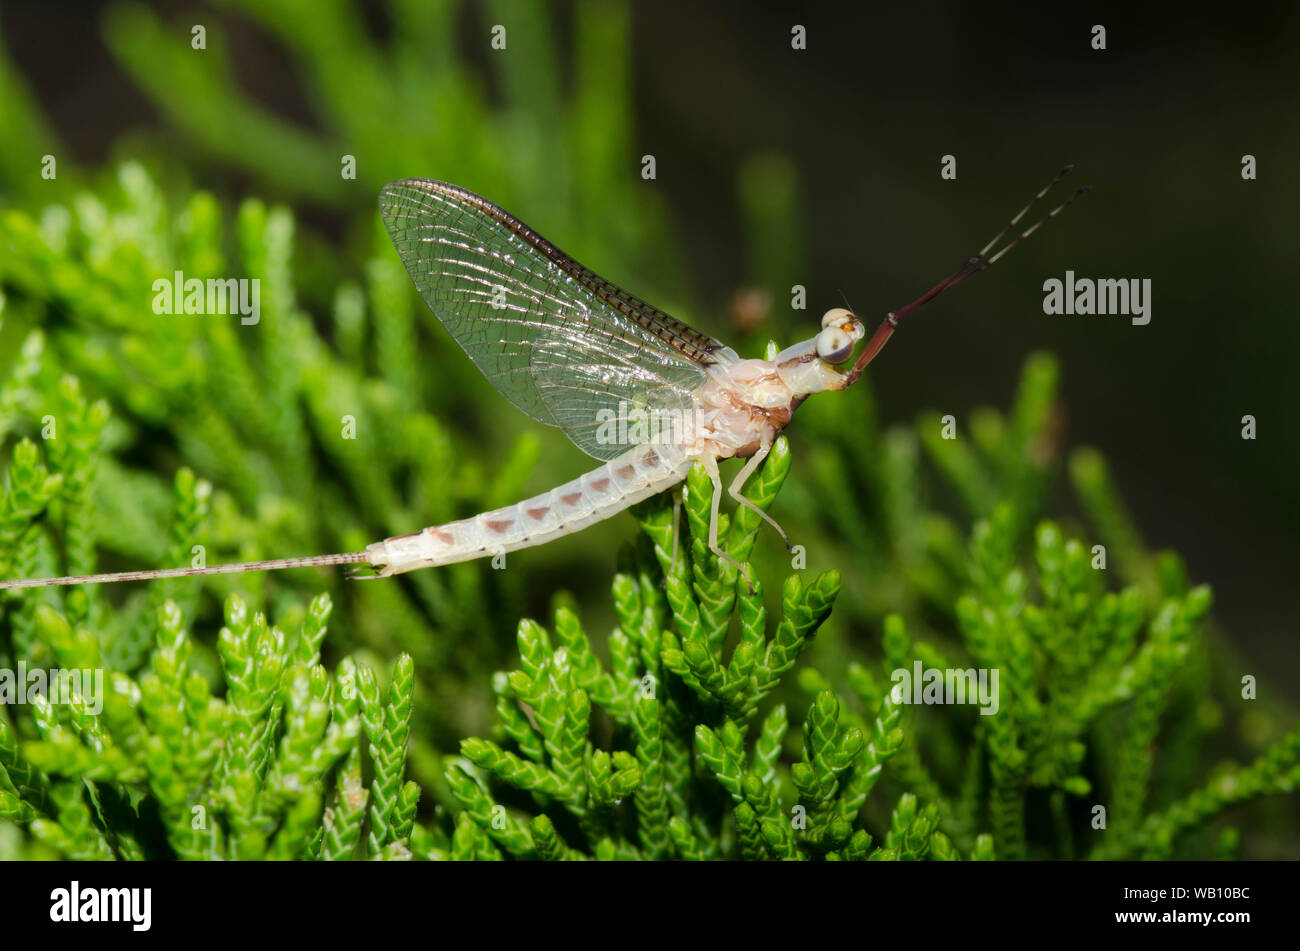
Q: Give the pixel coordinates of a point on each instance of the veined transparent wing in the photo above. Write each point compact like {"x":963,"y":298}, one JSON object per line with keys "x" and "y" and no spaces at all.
{"x":563,"y":344}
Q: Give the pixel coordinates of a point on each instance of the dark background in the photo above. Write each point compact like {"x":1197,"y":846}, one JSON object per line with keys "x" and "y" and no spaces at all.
{"x":1157,"y":124}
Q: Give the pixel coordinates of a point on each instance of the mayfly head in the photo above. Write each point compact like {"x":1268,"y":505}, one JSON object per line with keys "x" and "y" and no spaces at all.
{"x":840,"y":333}
{"x":818,"y":363}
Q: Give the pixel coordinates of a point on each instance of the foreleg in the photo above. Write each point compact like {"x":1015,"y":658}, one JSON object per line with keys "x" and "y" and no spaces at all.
{"x":742,"y":477}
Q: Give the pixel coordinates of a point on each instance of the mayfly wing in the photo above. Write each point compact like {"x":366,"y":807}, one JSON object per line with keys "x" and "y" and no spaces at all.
{"x":559,"y":341}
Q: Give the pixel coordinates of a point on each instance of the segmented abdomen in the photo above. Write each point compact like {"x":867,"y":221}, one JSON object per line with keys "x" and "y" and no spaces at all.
{"x":639,"y":473}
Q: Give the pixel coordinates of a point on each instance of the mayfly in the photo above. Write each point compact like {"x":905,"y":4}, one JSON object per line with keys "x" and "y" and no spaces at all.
{"x":573,"y":350}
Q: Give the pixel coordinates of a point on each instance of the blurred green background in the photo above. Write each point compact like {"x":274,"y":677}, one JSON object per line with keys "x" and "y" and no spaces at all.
{"x":774,"y":167}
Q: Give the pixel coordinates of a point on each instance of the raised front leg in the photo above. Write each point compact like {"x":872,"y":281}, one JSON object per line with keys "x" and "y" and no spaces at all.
{"x":711,"y":467}
{"x":742,"y":477}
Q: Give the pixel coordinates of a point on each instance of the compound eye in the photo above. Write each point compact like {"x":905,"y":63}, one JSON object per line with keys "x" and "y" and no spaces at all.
{"x":834,"y":345}
{"x":835,"y":316}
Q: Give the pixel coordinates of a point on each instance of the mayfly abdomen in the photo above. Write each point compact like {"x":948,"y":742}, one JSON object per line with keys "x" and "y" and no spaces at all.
{"x":639,"y":473}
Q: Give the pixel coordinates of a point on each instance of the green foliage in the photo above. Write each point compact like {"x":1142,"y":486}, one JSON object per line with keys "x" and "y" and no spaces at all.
{"x":680,"y":778}
{"x":157,"y":766}
{"x":673,"y":748}
{"x":681,"y":709}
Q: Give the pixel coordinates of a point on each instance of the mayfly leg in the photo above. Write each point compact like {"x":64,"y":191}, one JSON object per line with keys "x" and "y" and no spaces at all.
{"x":738,"y":483}
{"x":711,"y":467}
{"x":677,"y":529}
